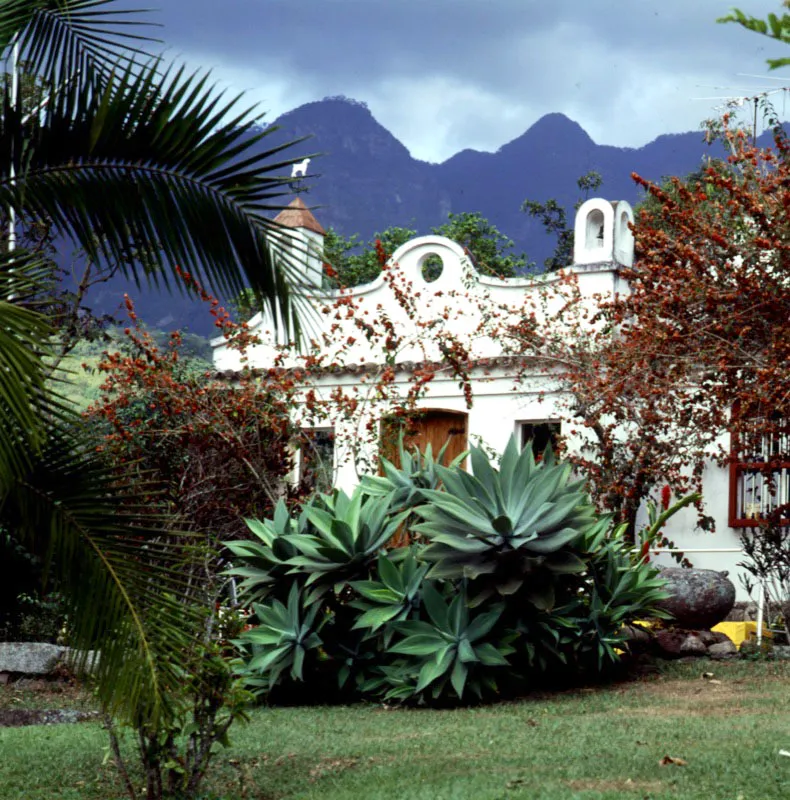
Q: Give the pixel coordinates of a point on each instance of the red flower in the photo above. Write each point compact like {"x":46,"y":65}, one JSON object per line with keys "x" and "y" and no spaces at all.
{"x":666,"y":495}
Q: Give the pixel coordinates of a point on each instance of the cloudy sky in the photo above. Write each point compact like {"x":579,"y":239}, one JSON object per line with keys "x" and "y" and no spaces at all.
{"x":443,"y":75}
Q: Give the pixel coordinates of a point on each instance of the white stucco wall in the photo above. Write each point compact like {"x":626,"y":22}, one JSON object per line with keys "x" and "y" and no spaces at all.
{"x":455,"y":299}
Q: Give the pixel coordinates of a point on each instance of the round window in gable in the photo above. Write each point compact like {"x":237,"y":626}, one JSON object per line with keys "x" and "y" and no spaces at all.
{"x":431,"y":268}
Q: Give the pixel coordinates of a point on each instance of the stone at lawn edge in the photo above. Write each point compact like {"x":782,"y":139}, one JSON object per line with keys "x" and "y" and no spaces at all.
{"x":693,"y":646}
{"x":699,"y":598}
{"x":723,"y":650}
{"x":29,"y":658}
{"x":636,"y":636}
{"x":669,"y":642}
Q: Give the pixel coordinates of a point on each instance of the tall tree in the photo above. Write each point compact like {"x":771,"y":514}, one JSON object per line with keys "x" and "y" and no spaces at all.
{"x":125,"y":153}
{"x":491,"y":251}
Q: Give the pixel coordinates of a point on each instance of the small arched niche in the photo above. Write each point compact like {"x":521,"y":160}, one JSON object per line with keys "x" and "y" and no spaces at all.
{"x":623,"y":235}
{"x":594,"y":230}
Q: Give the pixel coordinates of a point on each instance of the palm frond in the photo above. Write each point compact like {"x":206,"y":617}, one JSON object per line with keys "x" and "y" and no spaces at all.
{"x":74,"y":40}
{"x":124,"y":576}
{"x":163,"y":164}
{"x":23,"y":337}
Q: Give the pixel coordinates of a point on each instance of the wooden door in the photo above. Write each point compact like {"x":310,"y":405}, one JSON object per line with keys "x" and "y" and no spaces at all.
{"x":434,"y":426}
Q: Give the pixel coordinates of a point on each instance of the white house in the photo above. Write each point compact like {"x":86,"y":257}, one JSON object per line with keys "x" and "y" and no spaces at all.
{"x":457,"y":300}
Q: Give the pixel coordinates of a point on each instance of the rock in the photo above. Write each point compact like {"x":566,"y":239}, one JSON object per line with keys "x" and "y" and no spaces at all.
{"x":699,"y":598}
{"x":720,"y":638}
{"x":707,"y":637}
{"x":669,"y":642}
{"x":29,"y":658}
{"x":743,"y":611}
{"x":723,"y":650}
{"x":636,"y":636}
{"x":693,"y":646}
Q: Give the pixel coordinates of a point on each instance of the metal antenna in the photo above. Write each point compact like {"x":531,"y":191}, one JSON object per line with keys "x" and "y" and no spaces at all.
{"x":737,"y":101}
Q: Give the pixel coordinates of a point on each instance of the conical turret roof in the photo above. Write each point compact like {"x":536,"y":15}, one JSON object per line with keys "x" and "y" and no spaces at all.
{"x":298,"y":215}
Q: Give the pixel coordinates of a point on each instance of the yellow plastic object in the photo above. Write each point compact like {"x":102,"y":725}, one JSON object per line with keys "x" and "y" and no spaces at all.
{"x":739,"y":632}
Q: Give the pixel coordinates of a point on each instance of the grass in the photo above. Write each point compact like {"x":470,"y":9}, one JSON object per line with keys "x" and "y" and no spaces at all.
{"x":591,"y":744}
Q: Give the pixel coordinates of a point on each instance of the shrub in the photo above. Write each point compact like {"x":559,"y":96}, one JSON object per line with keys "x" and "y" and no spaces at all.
{"x":514,"y":578}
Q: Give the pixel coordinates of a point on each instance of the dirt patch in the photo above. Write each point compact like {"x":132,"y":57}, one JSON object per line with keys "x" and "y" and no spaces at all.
{"x":626,"y":785}
{"x":686,"y":689}
{"x":40,"y":701}
{"x":332,"y":766}
{"x":701,"y":698}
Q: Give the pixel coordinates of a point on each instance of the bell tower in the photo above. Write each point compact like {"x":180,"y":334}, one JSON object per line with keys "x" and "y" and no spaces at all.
{"x":602,"y":233}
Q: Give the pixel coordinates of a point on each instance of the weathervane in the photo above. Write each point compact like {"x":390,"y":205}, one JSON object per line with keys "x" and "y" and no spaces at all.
{"x":299,"y":170}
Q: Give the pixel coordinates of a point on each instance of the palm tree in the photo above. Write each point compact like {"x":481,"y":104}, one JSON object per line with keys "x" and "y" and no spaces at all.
{"x":125,"y":154}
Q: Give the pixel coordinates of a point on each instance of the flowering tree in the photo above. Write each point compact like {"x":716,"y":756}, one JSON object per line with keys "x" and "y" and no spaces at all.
{"x":211,"y":453}
{"x":698,"y":345}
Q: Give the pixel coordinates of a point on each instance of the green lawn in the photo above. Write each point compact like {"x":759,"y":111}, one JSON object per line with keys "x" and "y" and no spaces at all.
{"x":594,"y":743}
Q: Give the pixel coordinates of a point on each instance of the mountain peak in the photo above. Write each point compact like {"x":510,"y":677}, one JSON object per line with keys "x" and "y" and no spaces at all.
{"x":337,"y":110}
{"x":554,"y":130}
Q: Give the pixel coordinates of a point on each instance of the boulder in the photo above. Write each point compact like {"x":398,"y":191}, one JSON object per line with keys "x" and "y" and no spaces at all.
{"x":30,"y":658}
{"x":707,"y":637}
{"x":699,"y":598}
{"x":669,"y":642}
{"x":636,"y":636}
{"x":723,"y":650}
{"x":693,"y":646}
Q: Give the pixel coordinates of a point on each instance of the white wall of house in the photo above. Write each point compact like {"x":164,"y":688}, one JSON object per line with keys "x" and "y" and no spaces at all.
{"x":603,"y":242}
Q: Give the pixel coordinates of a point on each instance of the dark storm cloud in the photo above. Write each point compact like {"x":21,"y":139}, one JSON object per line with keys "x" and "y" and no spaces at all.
{"x":477,"y":72}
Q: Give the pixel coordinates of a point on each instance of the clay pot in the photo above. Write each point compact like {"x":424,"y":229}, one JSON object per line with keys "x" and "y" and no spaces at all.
{"x":699,"y":598}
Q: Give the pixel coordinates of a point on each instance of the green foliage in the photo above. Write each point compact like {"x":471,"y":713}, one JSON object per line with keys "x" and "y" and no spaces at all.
{"x":417,"y":471}
{"x":356,"y":268}
{"x":506,"y":530}
{"x":515,"y":580}
{"x":774,"y":26}
{"x":281,"y":638}
{"x":555,"y":222}
{"x":128,"y":157}
{"x":449,"y":646}
{"x":266,"y":561}
{"x":393,"y":592}
{"x":491,"y":251}
{"x":345,"y":536}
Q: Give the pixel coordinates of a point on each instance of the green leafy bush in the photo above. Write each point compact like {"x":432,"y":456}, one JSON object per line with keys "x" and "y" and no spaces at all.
{"x":514,"y":579}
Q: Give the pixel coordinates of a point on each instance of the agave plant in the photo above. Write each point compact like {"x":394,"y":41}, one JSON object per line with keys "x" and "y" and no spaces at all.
{"x":417,"y":472}
{"x":509,"y":529}
{"x":342,"y":540}
{"x":620,"y":590}
{"x":450,"y":648}
{"x":394,"y":596}
{"x":281,"y":639}
{"x":264,"y":563}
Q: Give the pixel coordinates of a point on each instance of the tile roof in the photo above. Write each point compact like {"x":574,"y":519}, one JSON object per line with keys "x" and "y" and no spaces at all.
{"x":298,"y":215}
